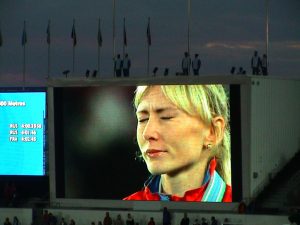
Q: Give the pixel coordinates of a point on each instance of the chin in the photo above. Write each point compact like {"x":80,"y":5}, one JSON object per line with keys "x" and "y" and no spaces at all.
{"x":155,"y":170}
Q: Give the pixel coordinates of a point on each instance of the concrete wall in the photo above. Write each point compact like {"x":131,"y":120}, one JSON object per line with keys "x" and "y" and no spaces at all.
{"x":275,"y":130}
{"x":24,"y":215}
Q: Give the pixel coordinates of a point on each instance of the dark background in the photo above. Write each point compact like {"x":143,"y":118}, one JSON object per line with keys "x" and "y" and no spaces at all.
{"x":104,"y":166}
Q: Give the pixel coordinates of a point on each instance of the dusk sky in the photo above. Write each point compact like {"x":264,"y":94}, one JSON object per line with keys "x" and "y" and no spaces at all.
{"x":223,"y":33}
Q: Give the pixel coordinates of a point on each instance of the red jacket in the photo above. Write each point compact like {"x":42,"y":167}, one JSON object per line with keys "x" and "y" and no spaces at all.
{"x":192,"y":195}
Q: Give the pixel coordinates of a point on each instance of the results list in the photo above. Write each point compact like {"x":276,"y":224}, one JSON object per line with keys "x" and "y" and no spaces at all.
{"x":25,"y":132}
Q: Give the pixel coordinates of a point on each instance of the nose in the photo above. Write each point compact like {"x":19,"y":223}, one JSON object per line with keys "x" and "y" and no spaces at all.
{"x":151,"y":130}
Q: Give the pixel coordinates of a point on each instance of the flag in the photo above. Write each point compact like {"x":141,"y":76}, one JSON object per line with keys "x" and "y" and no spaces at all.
{"x":124,"y":34}
{"x":148,"y":33}
{"x":24,"y":35}
{"x":1,"y":39}
{"x":73,"y":34}
{"x":99,"y":38}
{"x":48,"y":33}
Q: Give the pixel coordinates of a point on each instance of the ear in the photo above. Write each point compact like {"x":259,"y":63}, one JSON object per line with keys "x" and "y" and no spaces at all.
{"x":216,"y":131}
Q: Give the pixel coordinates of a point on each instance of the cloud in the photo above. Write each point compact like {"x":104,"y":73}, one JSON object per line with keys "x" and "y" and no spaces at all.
{"x":231,"y":45}
{"x":293,"y":45}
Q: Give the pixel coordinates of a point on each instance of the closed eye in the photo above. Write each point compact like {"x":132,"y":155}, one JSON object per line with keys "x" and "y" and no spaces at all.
{"x":142,"y":120}
{"x":166,"y":117}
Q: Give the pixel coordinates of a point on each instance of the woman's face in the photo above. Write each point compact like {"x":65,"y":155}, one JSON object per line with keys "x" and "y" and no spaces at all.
{"x":170,"y":139}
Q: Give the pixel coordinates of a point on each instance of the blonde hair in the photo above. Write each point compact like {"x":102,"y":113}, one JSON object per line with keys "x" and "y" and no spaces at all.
{"x":208,"y":102}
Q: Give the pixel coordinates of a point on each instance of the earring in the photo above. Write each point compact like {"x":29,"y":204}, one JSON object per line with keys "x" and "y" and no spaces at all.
{"x":208,"y":146}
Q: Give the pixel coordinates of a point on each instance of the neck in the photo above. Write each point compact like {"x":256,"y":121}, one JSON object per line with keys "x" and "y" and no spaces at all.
{"x":186,"y":179}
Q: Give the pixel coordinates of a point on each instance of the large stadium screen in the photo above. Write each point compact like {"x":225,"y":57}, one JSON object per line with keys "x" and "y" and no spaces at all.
{"x":108,"y":148}
{"x":22,"y":133}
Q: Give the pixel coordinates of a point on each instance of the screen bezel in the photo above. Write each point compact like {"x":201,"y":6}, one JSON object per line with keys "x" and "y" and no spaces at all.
{"x":235,"y":104}
{"x":29,"y":186}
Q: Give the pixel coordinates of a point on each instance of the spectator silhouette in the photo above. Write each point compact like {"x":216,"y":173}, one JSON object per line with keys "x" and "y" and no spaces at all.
{"x":241,"y":71}
{"x":204,"y":222}
{"x":95,"y":73}
{"x":213,"y":221}
{"x":232,"y":71}
{"x":129,"y":220}
{"x":52,"y":219}
{"x":151,"y":221}
{"x":62,"y":221}
{"x":185,"y":220}
{"x":87,"y":73}
{"x":166,"y":72}
{"x":126,"y":64}
{"x":118,"y":66}
{"x":166,"y":216}
{"x":185,"y":64}
{"x":119,"y":220}
{"x":255,"y":63}
{"x":72,"y":222}
{"x":66,"y":72}
{"x":46,"y":218}
{"x":264,"y":65}
{"x":226,"y":221}
{"x":107,"y":219}
{"x":155,"y":71}
{"x":196,"y":64}
{"x":196,"y":222}
{"x":7,"y":221}
{"x":16,"y":221}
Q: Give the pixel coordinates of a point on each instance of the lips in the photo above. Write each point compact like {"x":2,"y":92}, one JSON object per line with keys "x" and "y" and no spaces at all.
{"x":155,"y":153}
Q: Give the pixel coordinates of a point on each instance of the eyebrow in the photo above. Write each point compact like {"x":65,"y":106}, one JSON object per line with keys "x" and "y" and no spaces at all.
{"x":158,"y":110}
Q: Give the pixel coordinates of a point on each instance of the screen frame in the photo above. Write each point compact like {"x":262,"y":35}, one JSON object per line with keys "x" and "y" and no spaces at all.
{"x":31,"y":185}
{"x":237,"y":81}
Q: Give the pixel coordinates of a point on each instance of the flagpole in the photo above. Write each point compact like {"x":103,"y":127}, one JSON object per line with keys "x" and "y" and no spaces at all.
{"x":1,"y":42}
{"x":99,"y":60}
{"x":73,"y":68}
{"x":124,"y":38}
{"x":148,"y":61}
{"x":148,"y":44}
{"x":98,"y":40}
{"x":114,"y":35}
{"x":188,"y":33}
{"x":48,"y":72}
{"x":267,"y":33}
{"x":24,"y":51}
{"x":48,"y":42}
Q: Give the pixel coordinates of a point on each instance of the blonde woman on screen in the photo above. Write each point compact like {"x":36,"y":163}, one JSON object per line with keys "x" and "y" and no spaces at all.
{"x":184,"y":138}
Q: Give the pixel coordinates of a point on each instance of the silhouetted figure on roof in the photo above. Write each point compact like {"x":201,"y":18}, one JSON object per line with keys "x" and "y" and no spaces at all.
{"x":232,"y":71}
{"x":185,"y":64}
{"x":155,"y":71}
{"x":126,"y":64}
{"x":255,"y":63}
{"x":166,"y":72}
{"x":241,"y":71}
{"x":87,"y":73}
{"x":95,"y":73}
{"x":66,"y":72}
{"x":196,"y":64}
{"x":264,"y":65}
{"x":118,"y":66}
